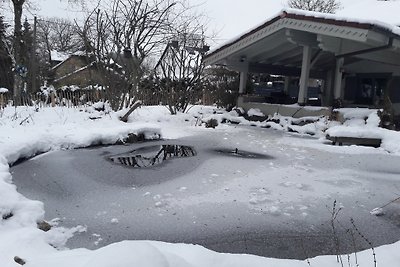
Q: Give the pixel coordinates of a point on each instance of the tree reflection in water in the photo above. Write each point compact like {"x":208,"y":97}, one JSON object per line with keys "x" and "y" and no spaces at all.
{"x":154,"y":155}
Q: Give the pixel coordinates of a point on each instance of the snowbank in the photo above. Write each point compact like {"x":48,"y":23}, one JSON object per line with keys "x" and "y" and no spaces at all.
{"x":60,"y":128}
{"x":255,"y":112}
{"x":159,"y":254}
{"x":26,"y":132}
{"x":364,"y":123}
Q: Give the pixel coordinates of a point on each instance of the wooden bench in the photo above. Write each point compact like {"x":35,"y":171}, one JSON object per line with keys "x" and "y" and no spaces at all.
{"x":359,"y":141}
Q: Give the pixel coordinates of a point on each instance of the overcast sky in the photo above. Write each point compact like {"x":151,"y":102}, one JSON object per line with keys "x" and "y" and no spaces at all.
{"x":228,"y":18}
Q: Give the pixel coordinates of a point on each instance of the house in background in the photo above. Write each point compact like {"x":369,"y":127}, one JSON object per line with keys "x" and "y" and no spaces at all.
{"x":352,"y":62}
{"x":57,"y":57}
{"x":75,"y":70}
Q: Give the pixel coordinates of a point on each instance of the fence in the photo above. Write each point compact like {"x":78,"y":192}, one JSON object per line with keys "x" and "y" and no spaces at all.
{"x":63,"y":98}
{"x":81,"y":98}
{"x":84,"y":97}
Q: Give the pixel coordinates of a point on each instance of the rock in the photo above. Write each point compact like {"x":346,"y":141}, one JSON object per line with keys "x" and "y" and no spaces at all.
{"x":44,"y":226}
{"x":7,"y":216}
{"x":19,"y":260}
{"x":211,"y":123}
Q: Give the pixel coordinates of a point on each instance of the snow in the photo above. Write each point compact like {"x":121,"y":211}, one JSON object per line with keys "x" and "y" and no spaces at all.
{"x":377,"y":212}
{"x":158,"y":254}
{"x":3,"y":90}
{"x":255,"y":112}
{"x":364,"y":123}
{"x":355,"y":113}
{"x":25,"y":132}
{"x":386,"y":11}
{"x":349,"y":17}
{"x":312,"y":108}
{"x":73,"y":88}
{"x":114,"y":221}
{"x":58,"y":56}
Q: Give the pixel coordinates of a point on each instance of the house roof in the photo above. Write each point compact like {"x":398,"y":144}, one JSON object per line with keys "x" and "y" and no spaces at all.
{"x":306,"y":16}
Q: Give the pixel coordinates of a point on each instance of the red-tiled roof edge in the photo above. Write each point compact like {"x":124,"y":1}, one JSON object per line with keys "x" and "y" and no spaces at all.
{"x":285,"y":14}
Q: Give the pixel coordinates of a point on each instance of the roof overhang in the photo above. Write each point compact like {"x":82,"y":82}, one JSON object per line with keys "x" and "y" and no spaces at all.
{"x":279,"y":42}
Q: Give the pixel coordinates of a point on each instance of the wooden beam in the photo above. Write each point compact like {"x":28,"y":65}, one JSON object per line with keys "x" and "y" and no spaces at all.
{"x":329,"y":44}
{"x":367,"y":50}
{"x":293,"y":52}
{"x":237,"y":65}
{"x":385,"y":57}
{"x":315,"y":58}
{"x":294,"y":61}
{"x":275,"y":41}
{"x":282,"y":70}
{"x":302,"y":38}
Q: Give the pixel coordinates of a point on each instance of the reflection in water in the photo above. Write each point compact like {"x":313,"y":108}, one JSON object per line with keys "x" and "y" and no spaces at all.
{"x":154,"y":155}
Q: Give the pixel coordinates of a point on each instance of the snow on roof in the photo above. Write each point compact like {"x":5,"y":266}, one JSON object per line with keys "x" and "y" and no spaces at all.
{"x":58,"y":56}
{"x":385,"y":11}
{"x":357,"y":19}
{"x":79,"y":53}
{"x":328,"y":18}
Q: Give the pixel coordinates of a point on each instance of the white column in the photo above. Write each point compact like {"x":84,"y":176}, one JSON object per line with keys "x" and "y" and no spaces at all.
{"x":327,"y":98}
{"x":305,"y":75}
{"x":337,"y":91}
{"x":242,"y":82}
{"x":287,"y":84}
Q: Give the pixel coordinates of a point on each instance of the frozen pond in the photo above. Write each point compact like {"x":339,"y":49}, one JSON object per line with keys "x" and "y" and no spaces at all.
{"x":250,"y":190}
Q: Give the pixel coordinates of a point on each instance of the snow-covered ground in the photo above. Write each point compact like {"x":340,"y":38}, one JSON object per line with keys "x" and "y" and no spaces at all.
{"x":297,"y":186}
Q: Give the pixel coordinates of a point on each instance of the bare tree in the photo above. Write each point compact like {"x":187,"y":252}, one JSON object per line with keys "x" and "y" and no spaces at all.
{"x":324,"y":6}
{"x":57,"y":34}
{"x":16,"y":53}
{"x":5,"y":59}
{"x":18,"y":69}
{"x":122,"y":35}
{"x":223,"y":85}
{"x":180,"y":68}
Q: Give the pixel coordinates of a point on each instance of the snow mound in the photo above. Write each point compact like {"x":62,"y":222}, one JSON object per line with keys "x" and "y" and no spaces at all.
{"x":255,"y":112}
{"x":159,"y":254}
{"x":377,"y":212}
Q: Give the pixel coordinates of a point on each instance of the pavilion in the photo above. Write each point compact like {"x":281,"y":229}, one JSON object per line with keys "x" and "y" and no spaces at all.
{"x":356,"y":62}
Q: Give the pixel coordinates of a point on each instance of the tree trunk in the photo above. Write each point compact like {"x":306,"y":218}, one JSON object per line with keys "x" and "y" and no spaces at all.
{"x":132,"y":109}
{"x":18,"y":82}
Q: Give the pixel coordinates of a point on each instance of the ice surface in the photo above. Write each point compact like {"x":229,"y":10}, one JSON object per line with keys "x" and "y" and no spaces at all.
{"x":228,"y":204}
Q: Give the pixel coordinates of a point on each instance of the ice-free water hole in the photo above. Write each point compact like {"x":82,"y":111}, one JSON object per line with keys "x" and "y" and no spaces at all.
{"x":150,"y":156}
{"x":242,"y":153}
